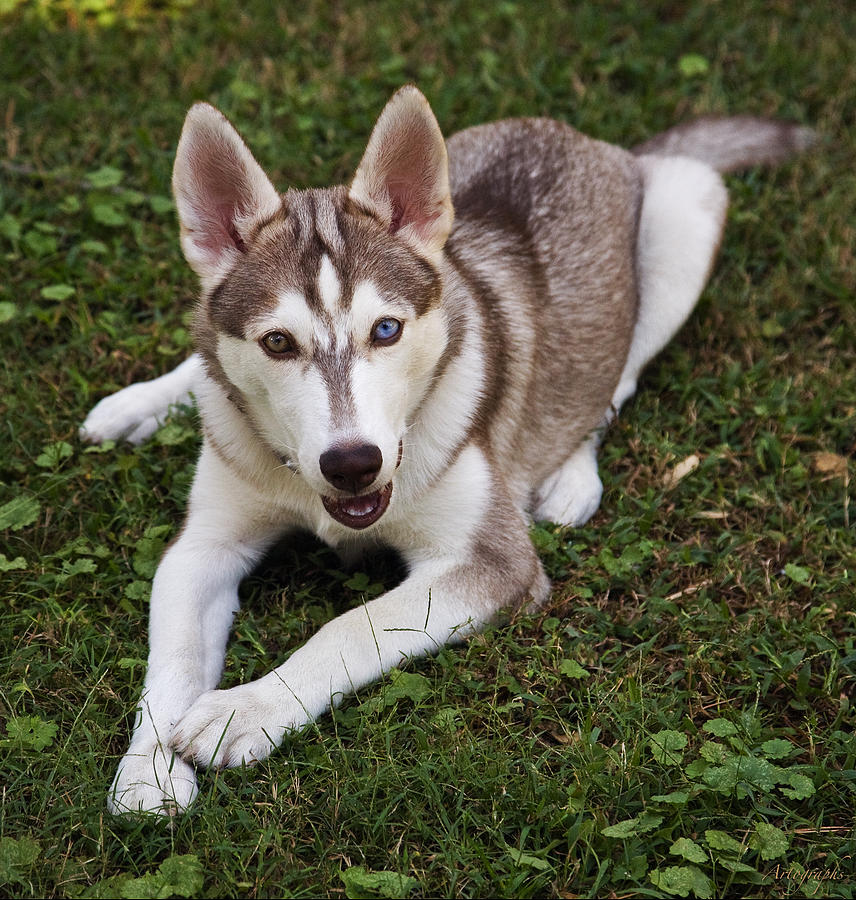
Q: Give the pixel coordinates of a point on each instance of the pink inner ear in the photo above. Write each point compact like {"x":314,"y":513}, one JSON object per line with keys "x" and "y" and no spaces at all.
{"x":397,"y":215}
{"x":403,"y":209}
{"x":411,"y":204}
{"x":219,"y":196}
{"x":237,"y":240}
{"x":215,"y":230}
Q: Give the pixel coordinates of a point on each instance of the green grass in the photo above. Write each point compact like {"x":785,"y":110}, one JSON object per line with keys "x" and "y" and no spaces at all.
{"x":679,"y":720}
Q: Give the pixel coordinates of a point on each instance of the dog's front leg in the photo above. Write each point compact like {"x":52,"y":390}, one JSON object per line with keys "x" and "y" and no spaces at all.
{"x":194,"y":597}
{"x":442,"y":601}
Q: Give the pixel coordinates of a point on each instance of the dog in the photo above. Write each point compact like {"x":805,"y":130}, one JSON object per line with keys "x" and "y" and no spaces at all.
{"x":424,"y":359}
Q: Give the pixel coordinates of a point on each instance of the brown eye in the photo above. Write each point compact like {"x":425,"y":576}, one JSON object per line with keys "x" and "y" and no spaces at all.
{"x":278,"y":343}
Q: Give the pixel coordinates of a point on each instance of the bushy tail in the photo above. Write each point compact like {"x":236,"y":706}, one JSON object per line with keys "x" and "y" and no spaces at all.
{"x":731,"y":143}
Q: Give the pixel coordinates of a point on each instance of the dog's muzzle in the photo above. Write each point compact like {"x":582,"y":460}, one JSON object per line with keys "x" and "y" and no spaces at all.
{"x":351,"y":468}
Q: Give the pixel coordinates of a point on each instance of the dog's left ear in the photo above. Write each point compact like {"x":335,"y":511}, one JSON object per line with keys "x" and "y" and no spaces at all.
{"x":404,"y":174}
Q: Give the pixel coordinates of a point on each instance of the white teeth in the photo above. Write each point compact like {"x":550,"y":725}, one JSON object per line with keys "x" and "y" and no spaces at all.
{"x":360,"y":509}
{"x":359,"y":512}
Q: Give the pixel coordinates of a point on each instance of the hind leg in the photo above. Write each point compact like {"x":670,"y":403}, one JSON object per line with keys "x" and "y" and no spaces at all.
{"x":683,"y":211}
{"x":571,"y":495}
{"x":680,"y":226}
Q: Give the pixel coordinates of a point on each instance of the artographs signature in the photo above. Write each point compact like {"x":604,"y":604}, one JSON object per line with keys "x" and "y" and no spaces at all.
{"x":842,"y":871}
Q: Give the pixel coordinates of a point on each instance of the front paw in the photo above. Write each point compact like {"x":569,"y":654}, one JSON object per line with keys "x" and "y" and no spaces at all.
{"x":230,"y":728}
{"x":133,"y":414}
{"x":152,"y":780}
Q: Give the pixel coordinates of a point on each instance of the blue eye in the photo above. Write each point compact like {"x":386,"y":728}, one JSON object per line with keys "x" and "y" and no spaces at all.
{"x":386,"y":331}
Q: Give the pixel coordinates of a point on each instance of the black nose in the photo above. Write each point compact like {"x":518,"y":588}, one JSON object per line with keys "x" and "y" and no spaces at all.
{"x":351,"y":467}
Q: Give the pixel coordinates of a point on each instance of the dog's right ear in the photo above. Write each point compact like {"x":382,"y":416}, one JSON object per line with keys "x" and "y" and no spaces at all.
{"x":221,"y":193}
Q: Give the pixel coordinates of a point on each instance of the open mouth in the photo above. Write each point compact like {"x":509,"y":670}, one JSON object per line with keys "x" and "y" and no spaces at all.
{"x":360,"y":511}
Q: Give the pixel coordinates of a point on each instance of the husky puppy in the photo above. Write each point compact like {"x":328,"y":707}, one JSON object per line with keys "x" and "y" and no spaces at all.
{"x":423,"y":359}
